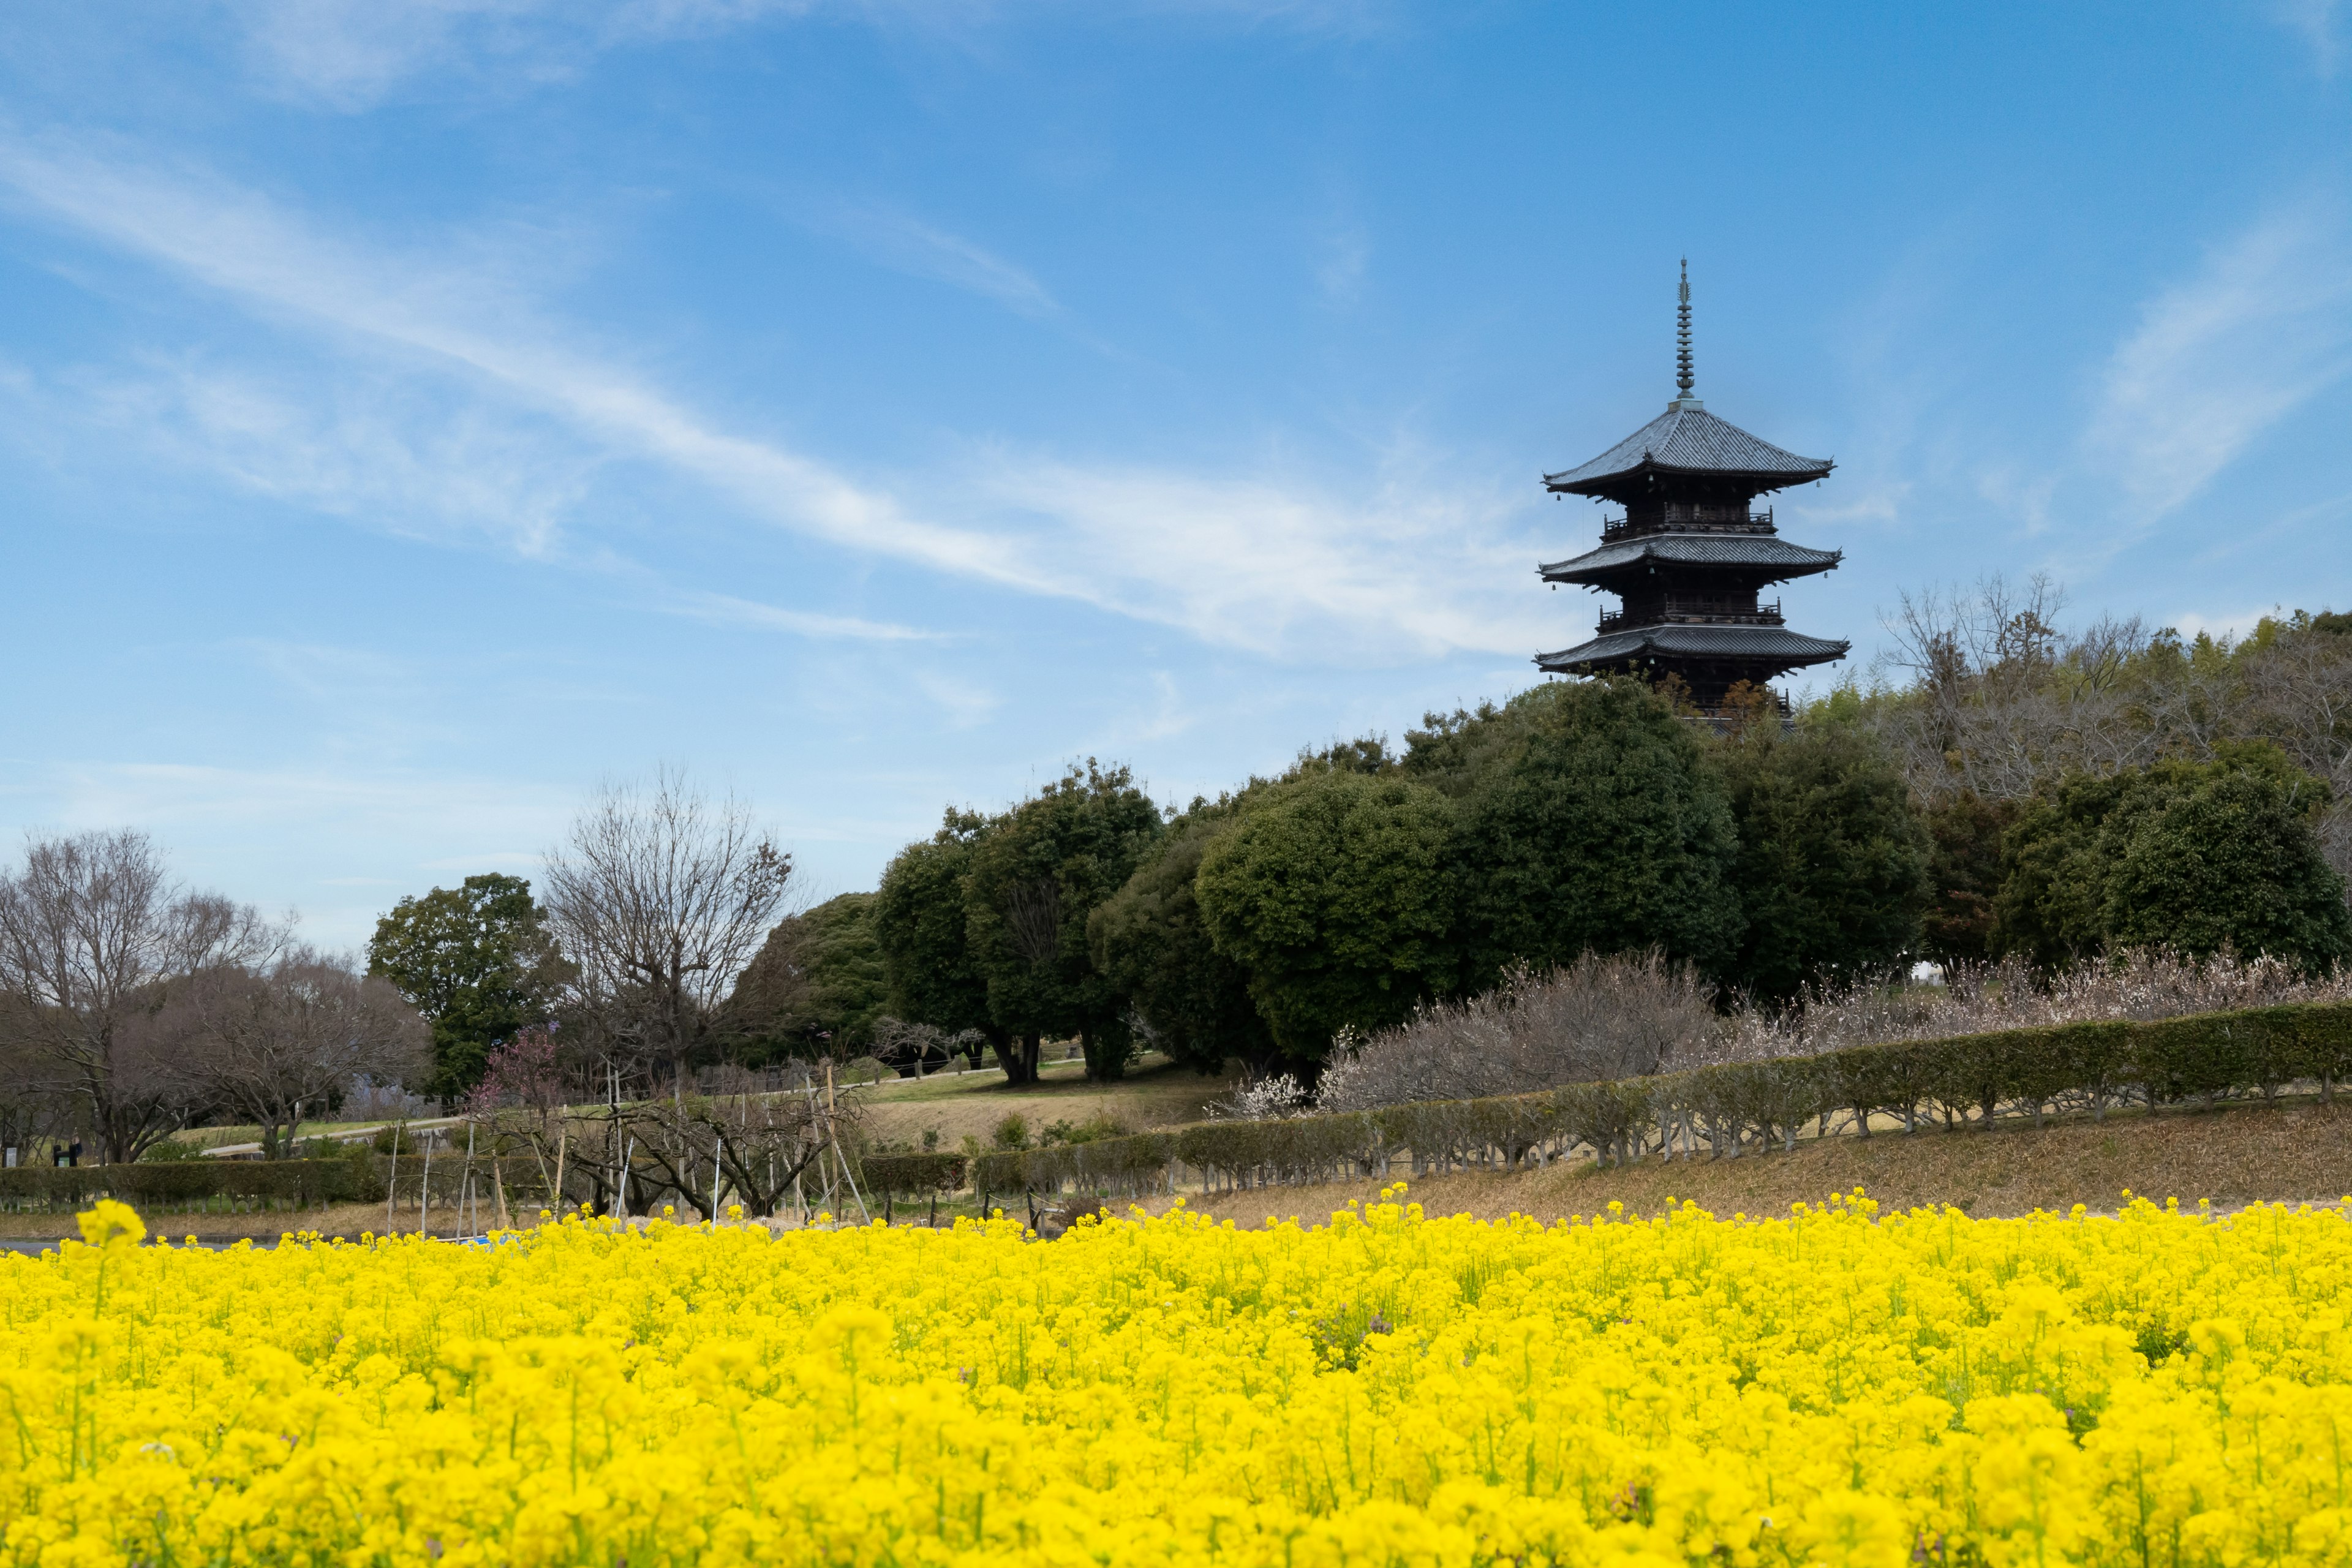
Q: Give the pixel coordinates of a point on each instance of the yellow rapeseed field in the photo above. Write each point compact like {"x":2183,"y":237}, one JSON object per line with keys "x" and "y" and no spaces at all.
{"x":1832,"y":1386}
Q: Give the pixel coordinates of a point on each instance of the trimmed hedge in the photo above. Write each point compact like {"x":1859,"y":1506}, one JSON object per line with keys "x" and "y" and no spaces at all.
{"x":912,"y":1176}
{"x":1736,"y":1108}
{"x":303,"y":1184}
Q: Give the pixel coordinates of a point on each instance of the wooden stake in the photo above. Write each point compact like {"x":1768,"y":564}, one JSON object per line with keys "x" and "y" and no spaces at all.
{"x":563,"y":1143}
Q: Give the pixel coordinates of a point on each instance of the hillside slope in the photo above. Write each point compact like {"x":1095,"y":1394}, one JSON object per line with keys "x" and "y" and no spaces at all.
{"x":2231,"y":1156}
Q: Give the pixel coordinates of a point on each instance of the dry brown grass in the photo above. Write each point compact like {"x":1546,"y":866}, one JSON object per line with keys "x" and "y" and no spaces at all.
{"x":1162,"y":1096}
{"x":2233,"y":1157}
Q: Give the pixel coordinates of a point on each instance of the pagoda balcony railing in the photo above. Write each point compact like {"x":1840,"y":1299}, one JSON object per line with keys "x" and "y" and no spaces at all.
{"x":1688,"y":519}
{"x":1691,"y":612}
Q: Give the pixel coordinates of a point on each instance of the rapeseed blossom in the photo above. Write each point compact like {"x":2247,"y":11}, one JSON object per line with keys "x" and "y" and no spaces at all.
{"x":1836,"y":1387}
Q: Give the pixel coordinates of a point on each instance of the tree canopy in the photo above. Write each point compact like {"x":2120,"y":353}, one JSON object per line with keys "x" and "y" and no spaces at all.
{"x":1334,"y":892}
{"x":929,"y":972}
{"x":1035,"y":877}
{"x":816,"y":985}
{"x":1587,"y":819}
{"x":2193,"y":855}
{"x":476,"y":961}
{"x":1151,"y":942}
{"x":1832,"y":867}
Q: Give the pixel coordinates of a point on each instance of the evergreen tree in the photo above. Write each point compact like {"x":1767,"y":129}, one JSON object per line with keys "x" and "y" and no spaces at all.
{"x":1035,"y":877}
{"x":816,"y":987}
{"x":476,"y":961}
{"x":1333,"y":891}
{"x":1588,"y":819}
{"x":1965,"y":832}
{"x":929,"y":973}
{"x":1832,"y":866}
{"x":1151,"y":940}
{"x":2193,"y":856}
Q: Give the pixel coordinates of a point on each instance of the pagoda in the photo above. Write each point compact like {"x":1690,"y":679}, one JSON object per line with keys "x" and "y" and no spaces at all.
{"x":1691,"y":551}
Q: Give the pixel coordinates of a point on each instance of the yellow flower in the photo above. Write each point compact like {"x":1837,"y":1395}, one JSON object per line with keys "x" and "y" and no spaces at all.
{"x":108,"y":1221}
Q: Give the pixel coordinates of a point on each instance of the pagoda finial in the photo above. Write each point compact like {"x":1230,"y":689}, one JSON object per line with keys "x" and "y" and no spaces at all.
{"x":1683,"y":381}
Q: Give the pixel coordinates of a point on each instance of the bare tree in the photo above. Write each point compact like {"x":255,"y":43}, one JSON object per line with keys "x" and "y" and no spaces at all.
{"x":659,"y":899}
{"x":275,"y":1045}
{"x":1622,"y":1015}
{"x":95,"y":939}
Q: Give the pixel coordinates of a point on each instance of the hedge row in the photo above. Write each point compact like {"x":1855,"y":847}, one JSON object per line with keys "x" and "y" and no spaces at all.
{"x":301,"y":1183}
{"x":362,"y":1177}
{"x":1723,"y":1111}
{"x":912,"y":1176}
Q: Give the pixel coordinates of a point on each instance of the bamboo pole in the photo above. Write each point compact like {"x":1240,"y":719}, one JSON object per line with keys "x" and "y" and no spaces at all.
{"x":563,"y":1143}
{"x":425,"y":1189}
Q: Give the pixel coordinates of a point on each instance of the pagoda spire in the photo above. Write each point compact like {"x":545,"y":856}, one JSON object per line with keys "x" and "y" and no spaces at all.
{"x":1684,"y":380}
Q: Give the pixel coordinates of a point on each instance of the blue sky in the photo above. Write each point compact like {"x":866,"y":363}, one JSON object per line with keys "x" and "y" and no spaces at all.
{"x":412,"y":415}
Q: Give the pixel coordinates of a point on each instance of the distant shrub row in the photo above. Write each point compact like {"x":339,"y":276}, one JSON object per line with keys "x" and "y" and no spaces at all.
{"x":301,"y":1184}
{"x":1728,"y":1110}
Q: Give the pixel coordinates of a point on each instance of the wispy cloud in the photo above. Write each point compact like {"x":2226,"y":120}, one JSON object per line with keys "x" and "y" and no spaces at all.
{"x":1408,"y":571}
{"x":905,"y":242}
{"x":2319,"y":24}
{"x":2264,"y":325}
{"x":1346,"y":257}
{"x":350,"y":55}
{"x":465,"y":320}
{"x":1404,"y":562}
{"x":725,"y":608}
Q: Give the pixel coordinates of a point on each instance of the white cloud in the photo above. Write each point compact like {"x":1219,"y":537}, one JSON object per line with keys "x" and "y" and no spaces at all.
{"x":906,"y":244}
{"x":727,"y":609}
{"x":351,"y":55}
{"x":2316,"y":22}
{"x":2215,"y":361}
{"x":412,"y":460}
{"x":1346,"y":257}
{"x":1253,"y":563}
{"x":1404,"y":563}
{"x":466,"y":320}
{"x":2191,"y":623}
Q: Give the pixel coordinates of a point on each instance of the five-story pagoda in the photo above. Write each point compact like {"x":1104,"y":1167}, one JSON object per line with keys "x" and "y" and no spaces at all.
{"x":1690,"y":553}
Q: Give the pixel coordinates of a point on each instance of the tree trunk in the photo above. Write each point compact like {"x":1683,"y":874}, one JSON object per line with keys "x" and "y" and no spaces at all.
{"x":1017,"y":1054}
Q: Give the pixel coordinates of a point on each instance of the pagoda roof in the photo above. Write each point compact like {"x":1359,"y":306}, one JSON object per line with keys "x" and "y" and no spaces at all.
{"x":1762,"y":552}
{"x":1687,"y":440}
{"x":1761,"y":645}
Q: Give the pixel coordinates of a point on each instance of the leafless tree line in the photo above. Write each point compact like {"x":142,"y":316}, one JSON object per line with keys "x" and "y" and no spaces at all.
{"x":130,"y":1005}
{"x":1630,"y":1015}
{"x":1984,"y":691}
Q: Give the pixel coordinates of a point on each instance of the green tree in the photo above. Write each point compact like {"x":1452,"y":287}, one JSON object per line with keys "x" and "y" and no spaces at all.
{"x":477,"y":961}
{"x":1150,"y":939}
{"x":1333,"y":891}
{"x":1036,"y":876}
{"x":817,"y":986}
{"x":1588,"y":819}
{"x":2194,"y":857}
{"x":929,"y":971}
{"x":1965,"y":831}
{"x":1832,"y":867}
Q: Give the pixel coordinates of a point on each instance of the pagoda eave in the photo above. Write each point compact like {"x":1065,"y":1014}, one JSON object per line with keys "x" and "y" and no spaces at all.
{"x":1740,"y":650}
{"x":1761,"y":557}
